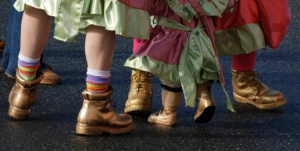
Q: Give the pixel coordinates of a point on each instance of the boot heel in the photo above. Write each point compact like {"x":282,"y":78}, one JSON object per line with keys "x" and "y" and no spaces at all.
{"x":206,"y":115}
{"x":17,"y":113}
{"x":85,"y":130}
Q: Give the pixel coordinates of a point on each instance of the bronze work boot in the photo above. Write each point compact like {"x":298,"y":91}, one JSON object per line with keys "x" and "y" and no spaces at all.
{"x":141,"y":93}
{"x":97,"y":117}
{"x":51,"y":78}
{"x":247,"y":88}
{"x":22,"y":96}
{"x":168,"y":114}
{"x":2,"y":45}
{"x":206,"y":105}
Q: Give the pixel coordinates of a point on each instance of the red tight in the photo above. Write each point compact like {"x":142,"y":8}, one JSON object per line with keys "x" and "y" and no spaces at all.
{"x":244,"y":62}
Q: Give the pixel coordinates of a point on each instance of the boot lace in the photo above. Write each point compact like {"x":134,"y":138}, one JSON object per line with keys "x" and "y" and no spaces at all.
{"x":142,"y":84}
{"x":253,"y":78}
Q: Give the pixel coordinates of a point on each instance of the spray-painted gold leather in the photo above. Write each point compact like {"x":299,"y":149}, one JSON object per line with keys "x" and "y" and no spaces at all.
{"x":22,"y":96}
{"x":206,"y":105}
{"x":168,"y":114}
{"x":97,"y":117}
{"x":247,"y":88}
{"x":141,"y":93}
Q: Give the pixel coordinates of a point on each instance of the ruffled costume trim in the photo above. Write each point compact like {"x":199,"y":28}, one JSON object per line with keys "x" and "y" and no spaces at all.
{"x":75,"y":16}
{"x":239,"y":32}
{"x":187,"y":12}
{"x":240,"y":40}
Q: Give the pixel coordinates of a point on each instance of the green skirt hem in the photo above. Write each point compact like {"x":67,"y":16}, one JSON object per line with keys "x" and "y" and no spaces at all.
{"x":72,"y":17}
{"x":165,"y":71}
{"x":240,"y":40}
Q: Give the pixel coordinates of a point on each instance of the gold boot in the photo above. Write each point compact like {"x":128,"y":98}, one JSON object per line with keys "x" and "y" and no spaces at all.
{"x":247,"y":88}
{"x":141,"y":93}
{"x":22,"y":96}
{"x":206,"y":105}
{"x":168,"y":114}
{"x":96,"y":116}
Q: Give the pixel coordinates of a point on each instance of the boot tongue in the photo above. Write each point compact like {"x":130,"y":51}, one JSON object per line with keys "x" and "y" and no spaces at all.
{"x":254,"y":79}
{"x":141,"y":81}
{"x":142,"y":78}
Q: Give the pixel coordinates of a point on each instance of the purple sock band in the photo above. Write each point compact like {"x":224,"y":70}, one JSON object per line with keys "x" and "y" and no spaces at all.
{"x":97,"y":79}
{"x":24,"y":63}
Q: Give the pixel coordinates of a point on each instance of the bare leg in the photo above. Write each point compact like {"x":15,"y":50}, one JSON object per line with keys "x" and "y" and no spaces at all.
{"x":99,"y":48}
{"x":34,"y":32}
{"x":96,"y":118}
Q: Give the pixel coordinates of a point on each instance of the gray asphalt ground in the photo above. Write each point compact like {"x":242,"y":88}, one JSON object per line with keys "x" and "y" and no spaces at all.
{"x":51,"y":125}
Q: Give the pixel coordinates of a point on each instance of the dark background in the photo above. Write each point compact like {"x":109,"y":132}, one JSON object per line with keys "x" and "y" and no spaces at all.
{"x":51,"y":125}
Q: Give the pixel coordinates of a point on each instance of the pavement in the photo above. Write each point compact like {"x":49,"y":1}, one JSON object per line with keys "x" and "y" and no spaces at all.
{"x":51,"y":125}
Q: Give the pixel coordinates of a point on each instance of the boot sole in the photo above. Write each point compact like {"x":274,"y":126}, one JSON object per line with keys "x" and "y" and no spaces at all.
{"x":260,"y":106}
{"x":98,"y":130}
{"x":17,"y":113}
{"x":207,"y":115}
{"x":138,"y":110}
{"x":45,"y":82}
{"x":157,"y":121}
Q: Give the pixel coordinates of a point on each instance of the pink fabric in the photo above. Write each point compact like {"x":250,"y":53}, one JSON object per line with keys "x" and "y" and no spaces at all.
{"x":244,"y":62}
{"x":137,"y":42}
{"x":160,"y":8}
{"x":171,"y":41}
{"x":165,"y":45}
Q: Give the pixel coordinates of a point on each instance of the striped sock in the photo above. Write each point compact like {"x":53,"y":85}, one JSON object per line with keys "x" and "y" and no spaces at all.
{"x":28,"y":67}
{"x":97,"y":81}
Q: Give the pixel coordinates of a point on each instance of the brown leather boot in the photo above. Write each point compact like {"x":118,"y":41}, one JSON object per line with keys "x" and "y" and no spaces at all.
{"x":141,"y":93}
{"x":168,"y":114}
{"x":50,"y":78}
{"x":206,"y":105}
{"x":247,"y":88}
{"x":96,"y":116}
{"x":2,"y":45}
{"x":22,"y":96}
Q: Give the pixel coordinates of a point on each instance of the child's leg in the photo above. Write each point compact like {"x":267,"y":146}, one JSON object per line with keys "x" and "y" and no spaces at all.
{"x":96,"y":115}
{"x":34,"y":34}
{"x":171,"y":99}
{"x":99,"y":48}
{"x":247,"y":87}
{"x":244,"y":62}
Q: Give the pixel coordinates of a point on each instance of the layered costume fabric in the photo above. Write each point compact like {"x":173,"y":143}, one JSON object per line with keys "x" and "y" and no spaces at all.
{"x":239,"y":32}
{"x":181,"y":50}
{"x":252,"y":25}
{"x":236,"y":32}
{"x":74,"y":16}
